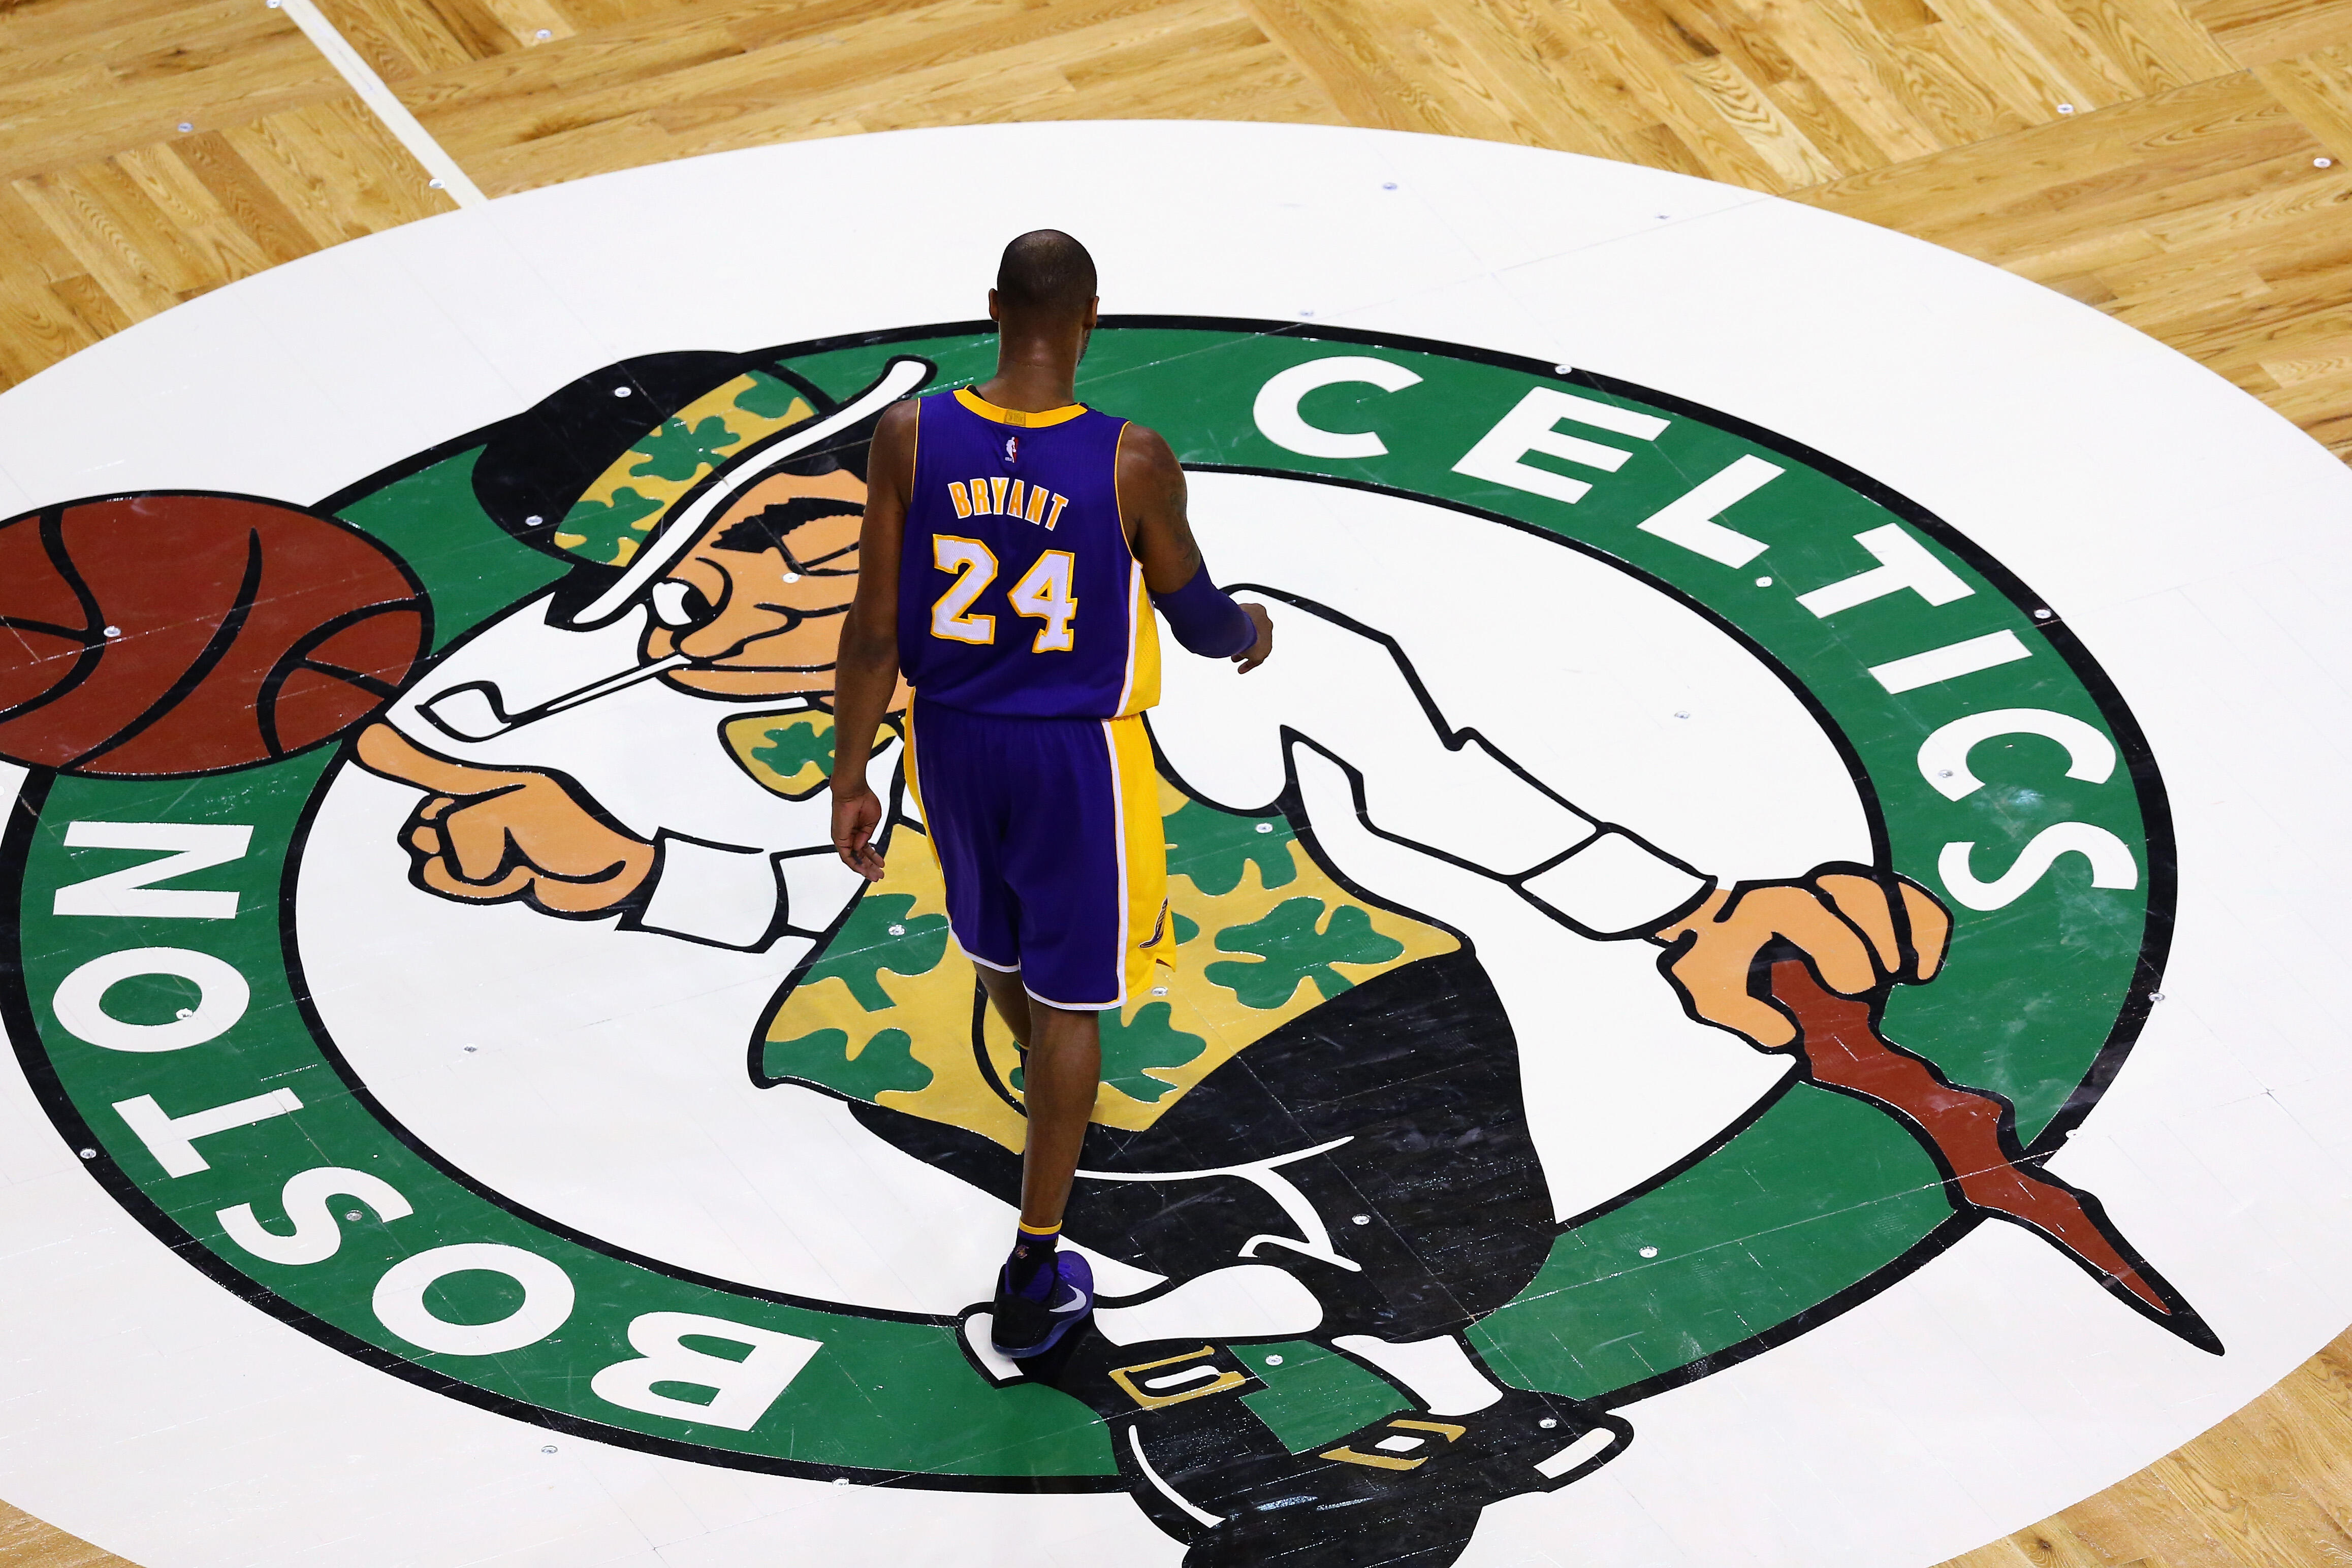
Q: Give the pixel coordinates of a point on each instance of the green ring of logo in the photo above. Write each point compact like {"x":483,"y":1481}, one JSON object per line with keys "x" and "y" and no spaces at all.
{"x":1810,"y":1204}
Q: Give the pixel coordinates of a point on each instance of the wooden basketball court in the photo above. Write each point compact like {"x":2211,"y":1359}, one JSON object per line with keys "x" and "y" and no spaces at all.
{"x":2180,"y":166}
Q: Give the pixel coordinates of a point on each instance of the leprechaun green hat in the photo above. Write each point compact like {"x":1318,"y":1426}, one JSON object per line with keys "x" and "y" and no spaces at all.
{"x":621,"y":468}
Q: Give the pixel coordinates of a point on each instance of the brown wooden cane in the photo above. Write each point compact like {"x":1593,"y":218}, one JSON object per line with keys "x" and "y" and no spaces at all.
{"x":1961,"y":1126}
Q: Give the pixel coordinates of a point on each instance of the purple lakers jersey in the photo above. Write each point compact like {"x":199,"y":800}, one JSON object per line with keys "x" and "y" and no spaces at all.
{"x":1018,"y":595}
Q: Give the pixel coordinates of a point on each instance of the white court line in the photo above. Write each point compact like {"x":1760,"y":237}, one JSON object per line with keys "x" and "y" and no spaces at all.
{"x":378,"y":97}
{"x":1134,"y":1441}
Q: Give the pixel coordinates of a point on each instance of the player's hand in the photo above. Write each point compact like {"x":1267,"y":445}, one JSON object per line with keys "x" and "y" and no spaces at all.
{"x":1251,"y":657}
{"x":857,"y":814}
{"x":485,"y":835}
{"x":1860,"y":931}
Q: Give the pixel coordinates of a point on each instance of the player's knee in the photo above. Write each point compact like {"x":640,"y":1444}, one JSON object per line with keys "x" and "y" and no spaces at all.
{"x":1010,"y":1002}
{"x":1053,"y":1028}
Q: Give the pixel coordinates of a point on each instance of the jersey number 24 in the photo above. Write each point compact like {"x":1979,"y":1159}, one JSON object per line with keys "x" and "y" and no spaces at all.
{"x":1042,"y":594}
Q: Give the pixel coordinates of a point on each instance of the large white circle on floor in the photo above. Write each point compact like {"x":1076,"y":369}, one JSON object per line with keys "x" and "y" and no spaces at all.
{"x":2193,"y":540}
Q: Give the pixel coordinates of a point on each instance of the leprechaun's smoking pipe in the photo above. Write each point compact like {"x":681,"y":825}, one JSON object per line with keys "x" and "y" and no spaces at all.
{"x":474,"y":711}
{"x":1968,"y":1135}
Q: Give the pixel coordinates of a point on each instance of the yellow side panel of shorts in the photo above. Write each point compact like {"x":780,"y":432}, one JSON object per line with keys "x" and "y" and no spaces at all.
{"x":1149,"y":938}
{"x":1143,"y":650}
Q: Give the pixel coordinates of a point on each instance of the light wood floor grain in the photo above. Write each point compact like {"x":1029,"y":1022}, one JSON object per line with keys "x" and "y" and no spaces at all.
{"x":2184,"y":165}
{"x":2179,"y":164}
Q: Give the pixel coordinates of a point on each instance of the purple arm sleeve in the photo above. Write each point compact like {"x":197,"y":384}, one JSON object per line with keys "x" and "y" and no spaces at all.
{"x":1207,"y":620}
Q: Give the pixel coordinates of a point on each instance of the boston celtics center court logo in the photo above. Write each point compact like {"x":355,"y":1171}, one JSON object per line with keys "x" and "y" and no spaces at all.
{"x":426,"y":923}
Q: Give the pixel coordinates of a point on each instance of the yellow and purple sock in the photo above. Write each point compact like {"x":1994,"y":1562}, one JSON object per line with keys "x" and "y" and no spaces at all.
{"x":1032,"y":1260}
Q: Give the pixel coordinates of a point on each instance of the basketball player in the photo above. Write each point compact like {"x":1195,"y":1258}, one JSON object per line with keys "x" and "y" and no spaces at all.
{"x":1011,"y":537}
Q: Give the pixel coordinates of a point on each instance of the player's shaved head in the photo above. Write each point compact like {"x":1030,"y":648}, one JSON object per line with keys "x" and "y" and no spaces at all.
{"x":1045,"y":273}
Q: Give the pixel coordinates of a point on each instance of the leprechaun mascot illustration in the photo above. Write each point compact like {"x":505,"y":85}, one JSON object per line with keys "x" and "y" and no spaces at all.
{"x":1312,"y":1148}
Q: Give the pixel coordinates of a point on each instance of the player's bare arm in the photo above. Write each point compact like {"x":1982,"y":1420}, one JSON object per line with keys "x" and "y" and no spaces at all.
{"x":865,"y":670}
{"x":1152,"y":501}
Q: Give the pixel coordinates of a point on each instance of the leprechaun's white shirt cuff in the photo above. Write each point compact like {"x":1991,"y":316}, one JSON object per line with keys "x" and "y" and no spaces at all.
{"x":1612,"y":884}
{"x":717,"y":893}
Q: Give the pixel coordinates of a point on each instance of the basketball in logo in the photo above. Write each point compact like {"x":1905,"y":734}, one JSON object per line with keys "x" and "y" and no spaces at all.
{"x":160,"y":634}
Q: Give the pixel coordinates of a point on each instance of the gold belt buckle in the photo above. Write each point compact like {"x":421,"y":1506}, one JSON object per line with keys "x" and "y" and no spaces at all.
{"x":1175,"y":1388}
{"x":1346,"y":1454}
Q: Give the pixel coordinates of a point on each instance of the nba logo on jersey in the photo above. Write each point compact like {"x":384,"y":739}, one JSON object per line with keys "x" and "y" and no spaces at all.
{"x":1013,"y":449}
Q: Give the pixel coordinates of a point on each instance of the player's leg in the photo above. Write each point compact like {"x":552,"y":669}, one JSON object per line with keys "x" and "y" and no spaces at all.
{"x":1088,"y":873}
{"x":1042,"y":1292}
{"x":1085,"y":870}
{"x":1010,"y":1002}
{"x":1060,"y":1077}
{"x":1062,"y":1068}
{"x":961,"y":766}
